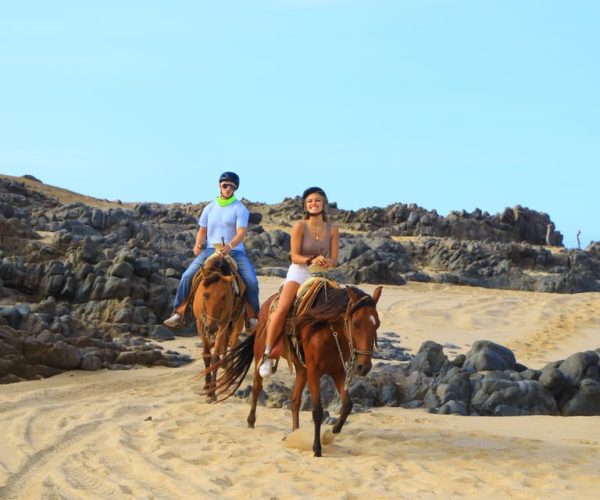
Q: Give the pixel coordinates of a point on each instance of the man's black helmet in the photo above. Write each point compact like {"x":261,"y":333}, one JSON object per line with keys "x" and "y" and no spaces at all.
{"x":231,"y":177}
{"x":311,"y":190}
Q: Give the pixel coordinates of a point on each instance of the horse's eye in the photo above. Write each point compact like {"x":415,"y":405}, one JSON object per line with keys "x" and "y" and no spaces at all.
{"x":205,"y":296}
{"x":355,"y":323}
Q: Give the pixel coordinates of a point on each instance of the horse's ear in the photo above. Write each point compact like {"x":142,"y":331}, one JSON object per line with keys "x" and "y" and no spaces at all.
{"x":351,"y":294}
{"x":377,"y":294}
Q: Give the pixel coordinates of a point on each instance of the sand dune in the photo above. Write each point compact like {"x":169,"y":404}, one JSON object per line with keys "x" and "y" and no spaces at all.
{"x":147,"y":433}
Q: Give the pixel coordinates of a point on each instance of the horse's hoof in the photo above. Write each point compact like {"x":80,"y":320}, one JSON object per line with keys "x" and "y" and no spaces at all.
{"x":327,"y":437}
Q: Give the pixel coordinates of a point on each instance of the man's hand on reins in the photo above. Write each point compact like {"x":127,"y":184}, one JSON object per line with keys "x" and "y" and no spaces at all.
{"x":225,"y":249}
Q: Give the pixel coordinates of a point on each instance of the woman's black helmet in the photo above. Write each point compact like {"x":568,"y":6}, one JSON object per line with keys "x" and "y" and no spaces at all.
{"x":231,"y":177}
{"x":312,"y":190}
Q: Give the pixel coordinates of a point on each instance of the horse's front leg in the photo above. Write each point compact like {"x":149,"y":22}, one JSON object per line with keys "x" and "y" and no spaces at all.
{"x":218,"y":350}
{"x":234,"y":332}
{"x":256,"y":388}
{"x":209,"y":378}
{"x":340,"y":382}
{"x":314,"y":380}
{"x":206,"y":357}
{"x":297,"y":395}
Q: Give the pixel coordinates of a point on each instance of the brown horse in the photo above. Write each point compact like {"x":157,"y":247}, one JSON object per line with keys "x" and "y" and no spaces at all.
{"x":219,"y":311}
{"x":336,"y":337}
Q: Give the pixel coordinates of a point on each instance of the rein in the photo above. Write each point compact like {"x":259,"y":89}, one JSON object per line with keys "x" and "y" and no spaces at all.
{"x":349,"y":365}
{"x":206,"y":316}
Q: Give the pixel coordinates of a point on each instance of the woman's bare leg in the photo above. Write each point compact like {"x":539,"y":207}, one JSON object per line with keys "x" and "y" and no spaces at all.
{"x":275,"y":324}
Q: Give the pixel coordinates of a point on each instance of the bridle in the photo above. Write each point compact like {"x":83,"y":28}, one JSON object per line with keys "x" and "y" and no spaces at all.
{"x":348,"y":331}
{"x":206,"y":317}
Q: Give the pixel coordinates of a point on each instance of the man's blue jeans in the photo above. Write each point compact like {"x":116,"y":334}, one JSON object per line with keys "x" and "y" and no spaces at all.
{"x":244,"y":268}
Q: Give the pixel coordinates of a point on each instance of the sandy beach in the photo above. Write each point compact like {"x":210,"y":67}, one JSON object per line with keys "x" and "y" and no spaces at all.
{"x":147,"y":432}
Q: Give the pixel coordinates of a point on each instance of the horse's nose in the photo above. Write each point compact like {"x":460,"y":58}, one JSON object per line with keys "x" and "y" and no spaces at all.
{"x":363,"y":368}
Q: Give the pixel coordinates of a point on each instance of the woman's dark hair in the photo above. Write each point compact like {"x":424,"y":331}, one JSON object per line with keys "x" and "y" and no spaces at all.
{"x":315,"y":190}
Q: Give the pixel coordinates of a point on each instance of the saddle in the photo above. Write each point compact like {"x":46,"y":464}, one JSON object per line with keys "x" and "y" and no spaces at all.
{"x":238,"y":282}
{"x":239,"y":287}
{"x":305,"y":298}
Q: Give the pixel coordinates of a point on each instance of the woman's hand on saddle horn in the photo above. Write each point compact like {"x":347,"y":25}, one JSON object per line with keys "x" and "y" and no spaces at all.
{"x":321,"y":261}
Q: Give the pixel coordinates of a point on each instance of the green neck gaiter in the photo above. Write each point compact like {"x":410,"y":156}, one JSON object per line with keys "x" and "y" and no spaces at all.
{"x":224,"y":202}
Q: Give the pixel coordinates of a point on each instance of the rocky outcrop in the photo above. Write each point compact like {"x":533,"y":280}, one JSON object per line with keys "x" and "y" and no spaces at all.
{"x":115,"y":270}
{"x":402,"y":243}
{"x":36,"y":345}
{"x":594,"y":248}
{"x":518,"y":224}
{"x":488,"y":380}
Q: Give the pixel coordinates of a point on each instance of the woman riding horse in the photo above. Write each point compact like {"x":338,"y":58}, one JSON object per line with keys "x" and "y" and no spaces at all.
{"x":315,"y":241}
{"x":336,"y":337}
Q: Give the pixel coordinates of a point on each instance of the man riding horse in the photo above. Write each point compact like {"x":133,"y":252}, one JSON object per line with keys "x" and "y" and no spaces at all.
{"x":223,"y":224}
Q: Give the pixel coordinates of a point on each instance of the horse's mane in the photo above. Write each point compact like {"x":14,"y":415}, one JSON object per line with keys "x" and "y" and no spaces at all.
{"x":364,"y":300}
{"x":330,"y":305}
{"x":215,"y":268}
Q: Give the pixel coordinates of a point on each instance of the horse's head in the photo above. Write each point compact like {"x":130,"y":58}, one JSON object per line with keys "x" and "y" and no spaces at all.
{"x":362,"y":322}
{"x":217,"y":299}
{"x":217,"y":262}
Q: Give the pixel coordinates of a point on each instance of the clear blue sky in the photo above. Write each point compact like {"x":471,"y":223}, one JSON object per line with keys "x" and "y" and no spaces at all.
{"x":448,"y":104}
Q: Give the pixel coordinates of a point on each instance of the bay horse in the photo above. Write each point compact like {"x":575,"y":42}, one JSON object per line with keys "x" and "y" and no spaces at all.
{"x":336,"y":337}
{"x":218,"y":305}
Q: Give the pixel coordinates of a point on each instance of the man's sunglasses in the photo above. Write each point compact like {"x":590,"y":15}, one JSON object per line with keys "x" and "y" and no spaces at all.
{"x":226,"y":185}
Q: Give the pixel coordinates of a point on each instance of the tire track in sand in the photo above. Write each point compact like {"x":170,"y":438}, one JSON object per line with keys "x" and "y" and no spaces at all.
{"x":21,"y":481}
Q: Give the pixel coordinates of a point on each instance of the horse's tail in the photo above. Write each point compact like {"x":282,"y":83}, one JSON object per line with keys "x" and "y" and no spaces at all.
{"x":237,"y":362}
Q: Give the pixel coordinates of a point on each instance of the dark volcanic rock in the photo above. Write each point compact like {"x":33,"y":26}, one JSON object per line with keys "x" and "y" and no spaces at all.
{"x":429,"y":380}
{"x":72,"y":271}
{"x":488,"y":356}
{"x":586,"y":400}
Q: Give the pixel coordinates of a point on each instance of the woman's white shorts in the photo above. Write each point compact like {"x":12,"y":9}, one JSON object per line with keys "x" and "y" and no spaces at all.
{"x":297,"y":273}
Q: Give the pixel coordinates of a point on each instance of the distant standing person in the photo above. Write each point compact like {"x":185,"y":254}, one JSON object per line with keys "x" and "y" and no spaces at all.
{"x":223,"y":219}
{"x":315,"y":240}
